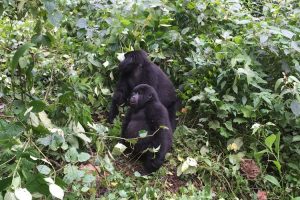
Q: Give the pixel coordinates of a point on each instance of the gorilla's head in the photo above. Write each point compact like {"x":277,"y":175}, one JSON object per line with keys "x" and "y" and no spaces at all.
{"x":141,"y":95}
{"x":133,"y":59}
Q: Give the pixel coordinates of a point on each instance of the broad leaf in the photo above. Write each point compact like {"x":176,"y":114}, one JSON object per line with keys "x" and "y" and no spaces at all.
{"x":269,"y":141}
{"x":295,"y":107}
{"x":272,"y":180}
{"x":19,"y":53}
{"x":118,"y":149}
{"x":83,"y":157}
{"x":23,"y":194}
{"x":56,"y":191}
{"x":43,"y":169}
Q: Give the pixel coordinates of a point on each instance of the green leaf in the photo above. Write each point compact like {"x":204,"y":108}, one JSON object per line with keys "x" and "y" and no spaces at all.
{"x":33,"y":120}
{"x":263,"y":38}
{"x":10,"y":196}
{"x":125,"y":22}
{"x":40,"y":39}
{"x":88,"y":178}
{"x":247,"y":111}
{"x":11,"y":130}
{"x":239,"y":120}
{"x":143,"y":133}
{"x":46,"y":141}
{"x":277,"y":164}
{"x":43,"y":169}
{"x":5,"y":183}
{"x":118,"y":149}
{"x":37,"y":105}
{"x":228,"y":98}
{"x":19,"y":53}
{"x":214,"y":124}
{"x":259,"y":154}
{"x":81,"y":23}
{"x":236,"y":158}
{"x":71,"y":155}
{"x":123,"y":194}
{"x":108,"y":164}
{"x":82,"y":157}
{"x":272,"y":180}
{"x":228,"y":125}
{"x":55,"y":18}
{"x":277,"y":143}
{"x":295,"y":46}
{"x":287,"y":33}
{"x":269,"y":141}
{"x":224,"y":132}
{"x":189,"y":166}
{"x":45,"y":121}
{"x":49,"y":5}
{"x":36,"y":183}
{"x":296,"y":138}
{"x":1,"y":9}
{"x":72,"y":174}
{"x":56,"y":191}
{"x":278,"y":83}
{"x":23,"y":193}
{"x":235,"y":88}
{"x":295,"y":107}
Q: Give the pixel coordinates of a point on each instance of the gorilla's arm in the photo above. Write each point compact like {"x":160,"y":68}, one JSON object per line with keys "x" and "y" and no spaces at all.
{"x":120,"y":96}
{"x":163,"y":140}
{"x":160,"y":125}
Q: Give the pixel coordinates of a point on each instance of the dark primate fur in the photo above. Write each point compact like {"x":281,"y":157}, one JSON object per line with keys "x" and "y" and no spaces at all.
{"x":148,"y":113}
{"x":136,"y":69}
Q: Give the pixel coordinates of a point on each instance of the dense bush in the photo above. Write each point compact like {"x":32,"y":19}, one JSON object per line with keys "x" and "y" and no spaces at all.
{"x":235,"y":64}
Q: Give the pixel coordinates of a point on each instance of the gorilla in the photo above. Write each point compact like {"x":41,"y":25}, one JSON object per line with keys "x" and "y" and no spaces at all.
{"x":147,"y":113}
{"x":137,"y":69}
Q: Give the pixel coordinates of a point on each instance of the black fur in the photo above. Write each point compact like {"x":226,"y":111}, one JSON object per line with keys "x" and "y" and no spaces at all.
{"x":137,"y":69}
{"x":146,"y":112}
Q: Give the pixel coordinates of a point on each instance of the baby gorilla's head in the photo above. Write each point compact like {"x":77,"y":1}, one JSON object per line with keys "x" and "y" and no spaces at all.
{"x":141,"y":95}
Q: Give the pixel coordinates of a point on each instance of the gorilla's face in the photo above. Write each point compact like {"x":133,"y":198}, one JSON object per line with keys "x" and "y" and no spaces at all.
{"x":141,"y":94}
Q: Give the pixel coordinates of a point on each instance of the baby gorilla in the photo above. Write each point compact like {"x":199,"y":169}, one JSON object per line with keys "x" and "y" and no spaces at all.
{"x":146,"y":112}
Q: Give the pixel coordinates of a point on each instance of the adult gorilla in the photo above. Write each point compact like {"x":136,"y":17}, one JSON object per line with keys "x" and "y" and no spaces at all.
{"x":147,"y":113}
{"x":137,"y":69}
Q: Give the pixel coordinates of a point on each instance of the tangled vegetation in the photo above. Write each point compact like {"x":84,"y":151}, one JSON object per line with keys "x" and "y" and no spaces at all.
{"x":235,"y":64}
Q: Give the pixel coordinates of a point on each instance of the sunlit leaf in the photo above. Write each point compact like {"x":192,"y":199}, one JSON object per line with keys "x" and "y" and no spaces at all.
{"x":83,"y":157}
{"x":56,"y":191}
{"x":118,"y":149}
{"x":81,"y":23}
{"x":295,"y":107}
{"x":43,"y":169}
{"x":287,"y":33}
{"x":263,"y":38}
{"x":295,"y":46}
{"x":23,"y":194}
{"x":269,"y":141}
{"x":10,"y":196}
{"x":272,"y":180}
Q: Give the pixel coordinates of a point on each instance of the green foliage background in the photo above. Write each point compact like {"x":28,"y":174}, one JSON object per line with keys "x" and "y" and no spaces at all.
{"x":236,"y":63}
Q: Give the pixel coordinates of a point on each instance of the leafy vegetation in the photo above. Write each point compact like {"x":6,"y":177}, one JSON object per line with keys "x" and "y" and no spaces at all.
{"x":236,"y":63}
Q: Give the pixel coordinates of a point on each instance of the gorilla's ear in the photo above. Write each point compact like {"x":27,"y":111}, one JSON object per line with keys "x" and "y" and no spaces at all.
{"x":150,"y":96}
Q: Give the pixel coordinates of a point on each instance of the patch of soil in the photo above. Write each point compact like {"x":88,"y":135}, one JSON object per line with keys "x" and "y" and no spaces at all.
{"x":92,"y":169}
{"x":129,"y":166}
{"x":171,"y":181}
{"x":174,"y":182}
